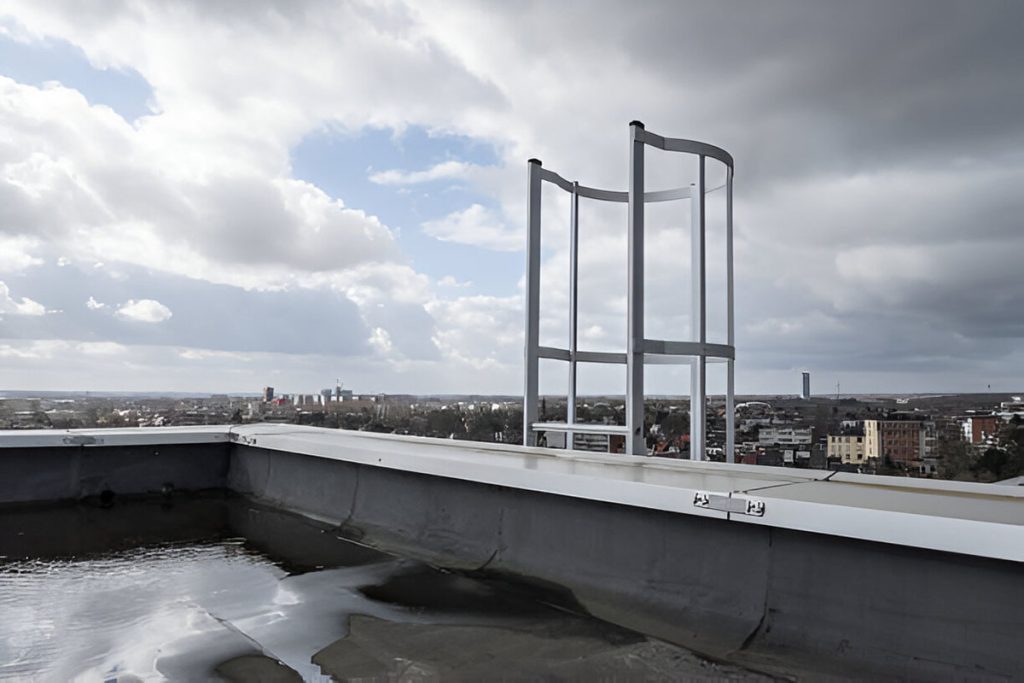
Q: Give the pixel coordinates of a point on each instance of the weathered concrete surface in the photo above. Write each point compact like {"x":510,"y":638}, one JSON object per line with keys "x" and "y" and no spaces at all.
{"x":772,"y":599}
{"x":253,"y":593}
{"x":56,"y":473}
{"x":396,"y":510}
{"x":750,"y":591}
{"x":911,"y":614}
{"x":559,"y":650}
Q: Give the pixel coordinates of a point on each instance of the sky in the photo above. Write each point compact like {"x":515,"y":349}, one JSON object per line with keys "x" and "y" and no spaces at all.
{"x":218,"y":196}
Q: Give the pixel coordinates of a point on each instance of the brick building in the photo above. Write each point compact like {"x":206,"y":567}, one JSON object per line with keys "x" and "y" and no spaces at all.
{"x":902,"y":441}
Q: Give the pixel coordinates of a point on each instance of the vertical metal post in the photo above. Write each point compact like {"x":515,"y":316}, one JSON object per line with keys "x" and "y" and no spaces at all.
{"x":698,"y":367}
{"x":730,"y":390}
{"x":574,"y":236}
{"x":636,"y":443}
{"x":531,"y":388}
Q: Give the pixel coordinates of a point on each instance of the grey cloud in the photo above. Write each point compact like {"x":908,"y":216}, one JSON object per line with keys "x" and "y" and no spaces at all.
{"x":206,"y":316}
{"x":878,"y":149}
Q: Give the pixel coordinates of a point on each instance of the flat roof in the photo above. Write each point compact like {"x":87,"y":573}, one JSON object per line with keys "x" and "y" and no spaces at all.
{"x":976,"y":519}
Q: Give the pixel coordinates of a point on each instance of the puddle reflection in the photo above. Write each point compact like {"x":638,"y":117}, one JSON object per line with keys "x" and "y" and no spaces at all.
{"x":216,"y":588}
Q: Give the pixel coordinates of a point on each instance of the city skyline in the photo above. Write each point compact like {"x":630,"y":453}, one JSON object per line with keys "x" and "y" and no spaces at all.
{"x":197,"y":199}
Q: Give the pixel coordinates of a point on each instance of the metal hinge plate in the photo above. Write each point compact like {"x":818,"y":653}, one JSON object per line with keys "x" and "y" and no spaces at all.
{"x":736,"y":505}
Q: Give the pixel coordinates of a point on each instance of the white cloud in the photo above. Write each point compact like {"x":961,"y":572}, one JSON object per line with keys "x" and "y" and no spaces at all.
{"x":16,"y":253}
{"x":211,"y":355}
{"x":842,"y":194}
{"x":101,"y":348}
{"x":144,"y":311}
{"x":480,"y":331}
{"x":453,"y":282}
{"x":94,"y":305}
{"x":22,"y":306}
{"x":477,"y":226}
{"x":63,"y":261}
{"x":36,"y":349}
{"x":380,"y":340}
{"x":443,"y":170}
{"x":148,"y":205}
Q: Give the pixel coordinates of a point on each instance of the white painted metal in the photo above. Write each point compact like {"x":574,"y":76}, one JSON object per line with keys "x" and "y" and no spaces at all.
{"x":688,"y":146}
{"x":581,"y":428}
{"x":574,"y":281}
{"x":600,"y":357}
{"x":582,"y":356}
{"x":553,"y":353}
{"x":531,"y":384}
{"x":636,"y":442}
{"x":639,"y":351}
{"x":730,"y":381}
{"x":698,"y":317}
{"x":683,"y":348}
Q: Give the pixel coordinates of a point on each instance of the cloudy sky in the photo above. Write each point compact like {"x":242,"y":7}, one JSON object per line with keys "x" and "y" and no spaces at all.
{"x":215,"y":196}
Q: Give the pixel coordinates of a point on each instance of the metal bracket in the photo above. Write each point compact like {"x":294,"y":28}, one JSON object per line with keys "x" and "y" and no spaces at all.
{"x":738,"y":505}
{"x":82,"y":440}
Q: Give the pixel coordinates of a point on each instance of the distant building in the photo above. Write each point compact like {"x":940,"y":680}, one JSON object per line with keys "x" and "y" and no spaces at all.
{"x":902,"y":441}
{"x":784,"y":436}
{"x":931,"y":439}
{"x":805,"y":392}
{"x":981,"y":429}
{"x":268,"y":394}
{"x":848,"y":448}
{"x":1014,"y":405}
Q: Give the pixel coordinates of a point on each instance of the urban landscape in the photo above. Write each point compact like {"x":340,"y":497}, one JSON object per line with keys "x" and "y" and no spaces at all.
{"x":965,"y":437}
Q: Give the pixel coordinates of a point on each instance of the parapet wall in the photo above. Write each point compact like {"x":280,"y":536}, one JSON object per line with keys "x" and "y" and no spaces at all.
{"x":628,"y":540}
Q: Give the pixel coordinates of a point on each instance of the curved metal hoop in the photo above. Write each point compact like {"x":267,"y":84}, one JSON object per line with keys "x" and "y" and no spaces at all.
{"x":617,"y":196}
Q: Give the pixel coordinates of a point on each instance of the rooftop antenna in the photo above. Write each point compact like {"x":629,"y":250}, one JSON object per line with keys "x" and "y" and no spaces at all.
{"x":696,"y":352}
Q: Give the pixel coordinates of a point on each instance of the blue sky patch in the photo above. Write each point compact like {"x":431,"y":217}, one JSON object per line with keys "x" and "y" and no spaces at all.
{"x":337,"y":162}
{"x":124,"y":91}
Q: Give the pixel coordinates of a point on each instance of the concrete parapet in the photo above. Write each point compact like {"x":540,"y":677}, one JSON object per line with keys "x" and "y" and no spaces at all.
{"x":816,"y":581}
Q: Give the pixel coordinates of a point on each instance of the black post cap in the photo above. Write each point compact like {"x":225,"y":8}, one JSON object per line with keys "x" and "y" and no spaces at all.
{"x":534,"y":161}
{"x":634,"y":122}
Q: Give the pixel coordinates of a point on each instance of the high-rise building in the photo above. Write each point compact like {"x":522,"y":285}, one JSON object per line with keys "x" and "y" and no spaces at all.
{"x":268,"y":394}
{"x":805,"y":392}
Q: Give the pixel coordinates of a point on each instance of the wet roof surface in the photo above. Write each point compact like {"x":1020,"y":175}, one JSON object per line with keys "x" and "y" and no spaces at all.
{"x":217,"y":588}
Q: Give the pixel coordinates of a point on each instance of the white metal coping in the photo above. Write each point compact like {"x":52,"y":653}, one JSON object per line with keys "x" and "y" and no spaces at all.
{"x":968,"y":518}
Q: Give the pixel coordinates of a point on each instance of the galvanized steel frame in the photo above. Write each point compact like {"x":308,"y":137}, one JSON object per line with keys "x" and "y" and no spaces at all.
{"x":639,"y":349}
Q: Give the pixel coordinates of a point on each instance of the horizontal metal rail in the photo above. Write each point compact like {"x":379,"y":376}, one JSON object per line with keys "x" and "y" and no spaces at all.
{"x":681,"y":145}
{"x":553,"y":353}
{"x":688,"y":348}
{"x":579,"y":428}
{"x":669,"y":195}
{"x":672,"y":352}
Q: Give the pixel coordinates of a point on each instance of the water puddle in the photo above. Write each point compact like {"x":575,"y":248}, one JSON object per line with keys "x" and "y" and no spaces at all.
{"x":216,"y":588}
